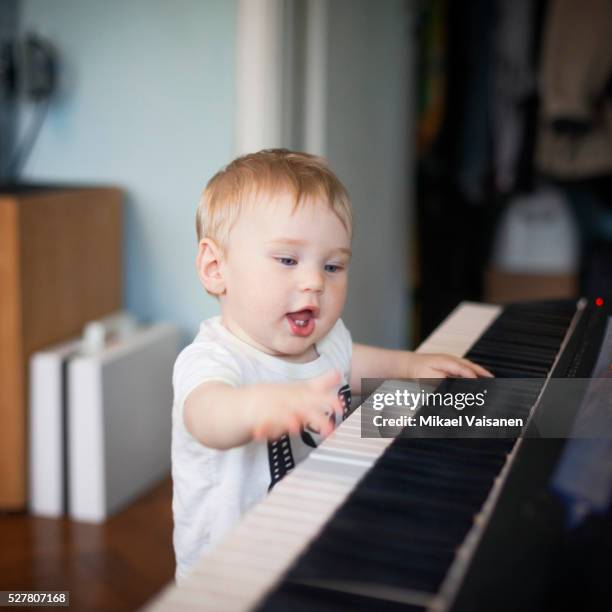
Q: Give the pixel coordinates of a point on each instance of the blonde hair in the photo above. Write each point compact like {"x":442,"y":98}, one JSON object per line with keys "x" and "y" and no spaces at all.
{"x":252,"y":177}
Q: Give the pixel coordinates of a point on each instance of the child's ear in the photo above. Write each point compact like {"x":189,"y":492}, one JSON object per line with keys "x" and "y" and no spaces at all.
{"x":208,"y":265}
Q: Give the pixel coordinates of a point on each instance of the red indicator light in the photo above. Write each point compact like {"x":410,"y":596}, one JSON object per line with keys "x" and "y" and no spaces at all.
{"x":599,"y":301}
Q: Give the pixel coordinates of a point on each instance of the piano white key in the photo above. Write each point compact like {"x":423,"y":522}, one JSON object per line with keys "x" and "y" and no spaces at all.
{"x":461,"y":328}
{"x":290,"y":517}
{"x":347,"y":450}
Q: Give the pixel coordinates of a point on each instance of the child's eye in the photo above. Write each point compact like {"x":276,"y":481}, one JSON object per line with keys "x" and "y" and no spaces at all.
{"x":332,"y":268}
{"x":286,"y":261}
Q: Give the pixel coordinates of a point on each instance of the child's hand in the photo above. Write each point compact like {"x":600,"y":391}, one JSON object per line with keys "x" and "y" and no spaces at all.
{"x":276,"y":409}
{"x":423,"y":365}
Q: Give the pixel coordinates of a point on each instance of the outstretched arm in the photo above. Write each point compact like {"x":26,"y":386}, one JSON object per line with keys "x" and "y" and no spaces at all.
{"x":374,"y":362}
{"x":222,"y":417}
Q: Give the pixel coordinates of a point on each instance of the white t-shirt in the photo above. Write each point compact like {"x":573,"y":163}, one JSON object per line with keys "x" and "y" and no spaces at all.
{"x":212,"y":489}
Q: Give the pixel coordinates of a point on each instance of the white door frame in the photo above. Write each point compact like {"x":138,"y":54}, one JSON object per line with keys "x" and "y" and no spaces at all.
{"x":265,"y":83}
{"x":258,"y":75}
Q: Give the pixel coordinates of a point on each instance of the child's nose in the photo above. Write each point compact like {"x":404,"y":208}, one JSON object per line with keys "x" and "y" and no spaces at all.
{"x":313,"y":280}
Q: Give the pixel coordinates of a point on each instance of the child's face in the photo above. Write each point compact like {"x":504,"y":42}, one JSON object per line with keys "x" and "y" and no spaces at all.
{"x":285,"y":276}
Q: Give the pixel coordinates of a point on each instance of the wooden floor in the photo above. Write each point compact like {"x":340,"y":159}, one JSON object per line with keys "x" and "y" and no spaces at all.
{"x":116,"y":566}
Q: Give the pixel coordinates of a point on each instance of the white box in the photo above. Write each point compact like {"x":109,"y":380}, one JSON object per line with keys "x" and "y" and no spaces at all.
{"x":47,"y":424}
{"x":119,"y":421}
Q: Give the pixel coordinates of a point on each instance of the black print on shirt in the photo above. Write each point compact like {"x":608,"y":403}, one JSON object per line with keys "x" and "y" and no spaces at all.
{"x":280,"y":459}
{"x":346,"y":399}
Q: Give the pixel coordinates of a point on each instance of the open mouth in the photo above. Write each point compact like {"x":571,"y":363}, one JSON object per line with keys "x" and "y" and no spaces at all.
{"x":302,"y":322}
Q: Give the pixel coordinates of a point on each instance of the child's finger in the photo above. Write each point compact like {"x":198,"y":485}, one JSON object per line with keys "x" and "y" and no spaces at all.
{"x":329,"y":421}
{"x":308,"y":417}
{"x":331,"y":405}
{"x":323,"y":425}
{"x":456,"y":368}
{"x":319,"y":420}
{"x":337,"y":406}
{"x":328,"y":427}
{"x":480,"y":371}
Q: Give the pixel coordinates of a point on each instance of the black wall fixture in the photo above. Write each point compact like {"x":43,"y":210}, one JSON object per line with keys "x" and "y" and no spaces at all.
{"x":28,"y":73}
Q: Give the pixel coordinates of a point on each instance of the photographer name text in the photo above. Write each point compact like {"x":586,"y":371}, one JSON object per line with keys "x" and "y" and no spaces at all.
{"x":436,"y":421}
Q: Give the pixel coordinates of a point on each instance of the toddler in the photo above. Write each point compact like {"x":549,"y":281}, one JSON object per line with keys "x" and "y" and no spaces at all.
{"x":263,"y":383}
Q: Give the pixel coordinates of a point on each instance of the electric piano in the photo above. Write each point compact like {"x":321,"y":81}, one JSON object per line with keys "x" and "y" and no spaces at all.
{"x":425,"y":524}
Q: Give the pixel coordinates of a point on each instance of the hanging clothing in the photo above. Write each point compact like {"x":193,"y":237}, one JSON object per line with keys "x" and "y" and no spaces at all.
{"x":575,"y":135}
{"x":514,"y":84}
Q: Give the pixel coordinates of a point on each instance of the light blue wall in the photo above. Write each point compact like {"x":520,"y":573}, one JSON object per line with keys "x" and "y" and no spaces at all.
{"x":146,"y":103}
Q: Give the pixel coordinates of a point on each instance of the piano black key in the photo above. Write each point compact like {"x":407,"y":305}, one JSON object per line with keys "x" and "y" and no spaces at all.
{"x":440,"y":539}
{"x":517,"y":357}
{"x":415,"y":459}
{"x":480,"y":452}
{"x":489,"y":447}
{"x":428,"y":522}
{"x":515,"y":350}
{"x":404,"y":554}
{"x":471,"y":478}
{"x":445,"y":470}
{"x":407,"y":543}
{"x":512,"y":349}
{"x":502,"y":371}
{"x":369,"y":567}
{"x":306,"y":598}
{"x":402,"y":500}
{"x":513,"y":337}
{"x":421,"y":482}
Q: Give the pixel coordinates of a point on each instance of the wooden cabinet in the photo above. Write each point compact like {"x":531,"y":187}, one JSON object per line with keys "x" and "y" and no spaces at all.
{"x":60,"y":266}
